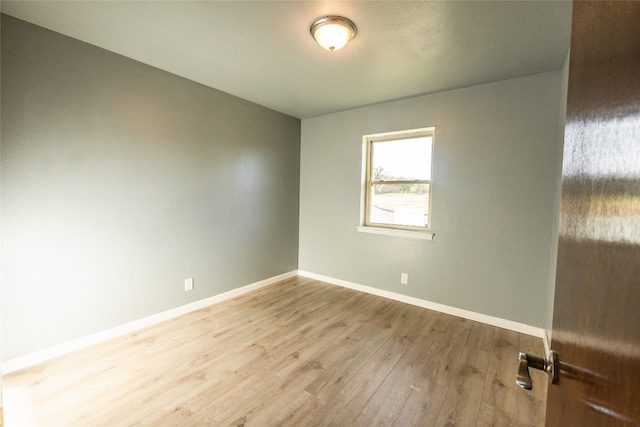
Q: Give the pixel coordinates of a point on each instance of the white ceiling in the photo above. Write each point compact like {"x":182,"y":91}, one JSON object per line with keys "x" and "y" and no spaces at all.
{"x":262,"y":50}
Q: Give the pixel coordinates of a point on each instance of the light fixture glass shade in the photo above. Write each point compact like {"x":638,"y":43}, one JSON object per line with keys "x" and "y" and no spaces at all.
{"x":333,"y":32}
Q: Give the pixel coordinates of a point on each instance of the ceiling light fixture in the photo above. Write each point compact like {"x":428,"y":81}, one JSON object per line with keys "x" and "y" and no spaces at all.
{"x":333,"y":32}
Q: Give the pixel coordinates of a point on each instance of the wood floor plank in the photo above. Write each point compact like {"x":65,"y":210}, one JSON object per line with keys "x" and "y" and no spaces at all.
{"x":350,"y":355}
{"x":423,"y":404}
{"x":392,"y":394}
{"x":294,"y":361}
{"x":304,"y":409}
{"x":454,"y":333}
{"x":297,"y":353}
{"x":481,"y":336}
{"x":500,"y":389}
{"x":463,"y":399}
{"x":358,"y":389}
{"x":491,"y":416}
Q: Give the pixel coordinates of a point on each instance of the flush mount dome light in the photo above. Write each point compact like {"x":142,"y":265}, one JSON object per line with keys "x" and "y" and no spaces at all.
{"x":333,"y":32}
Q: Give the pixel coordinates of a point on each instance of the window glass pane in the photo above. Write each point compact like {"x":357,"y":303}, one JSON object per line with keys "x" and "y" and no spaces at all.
{"x":401,"y":204}
{"x":402,"y":159}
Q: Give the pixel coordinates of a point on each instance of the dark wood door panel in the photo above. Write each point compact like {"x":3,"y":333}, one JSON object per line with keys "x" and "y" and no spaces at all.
{"x":599,"y":358}
{"x":596,"y":325}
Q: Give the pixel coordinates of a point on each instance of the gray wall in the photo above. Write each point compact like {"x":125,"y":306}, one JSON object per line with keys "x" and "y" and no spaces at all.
{"x":548,"y":324}
{"x":119,"y":181}
{"x":495,"y":175}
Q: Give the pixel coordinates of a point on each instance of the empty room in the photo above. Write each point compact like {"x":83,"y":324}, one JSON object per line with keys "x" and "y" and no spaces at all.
{"x":319,"y":213}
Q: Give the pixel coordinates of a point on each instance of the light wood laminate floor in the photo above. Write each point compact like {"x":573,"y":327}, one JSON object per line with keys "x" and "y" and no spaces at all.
{"x":296,"y":353}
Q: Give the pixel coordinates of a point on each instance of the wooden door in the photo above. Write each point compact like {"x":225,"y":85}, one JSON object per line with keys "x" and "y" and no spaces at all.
{"x":596,"y":324}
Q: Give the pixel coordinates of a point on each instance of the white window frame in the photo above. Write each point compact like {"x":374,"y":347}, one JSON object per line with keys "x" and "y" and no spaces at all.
{"x":366,"y":225}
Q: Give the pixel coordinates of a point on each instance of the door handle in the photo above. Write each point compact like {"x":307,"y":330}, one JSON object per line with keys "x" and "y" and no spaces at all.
{"x":547,"y":364}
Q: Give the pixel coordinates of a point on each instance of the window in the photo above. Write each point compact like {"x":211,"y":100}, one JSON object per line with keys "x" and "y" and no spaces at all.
{"x":397,"y":193}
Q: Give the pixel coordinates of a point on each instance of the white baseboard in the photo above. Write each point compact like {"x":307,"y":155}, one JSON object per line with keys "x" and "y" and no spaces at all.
{"x":546,"y":340}
{"x":22,"y":362}
{"x":37,"y":357}
{"x":466,"y":314}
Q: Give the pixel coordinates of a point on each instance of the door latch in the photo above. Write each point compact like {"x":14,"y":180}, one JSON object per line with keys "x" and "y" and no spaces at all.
{"x":547,"y":364}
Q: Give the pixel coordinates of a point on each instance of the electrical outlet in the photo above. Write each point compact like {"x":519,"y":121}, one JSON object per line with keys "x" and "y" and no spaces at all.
{"x":404,"y":278}
{"x":188,"y":284}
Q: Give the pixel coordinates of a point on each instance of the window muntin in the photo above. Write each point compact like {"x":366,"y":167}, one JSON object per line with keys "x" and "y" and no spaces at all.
{"x":398,"y":180}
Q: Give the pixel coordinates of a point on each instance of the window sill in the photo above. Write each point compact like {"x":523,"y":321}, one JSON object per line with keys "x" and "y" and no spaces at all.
{"x":422,"y":235}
